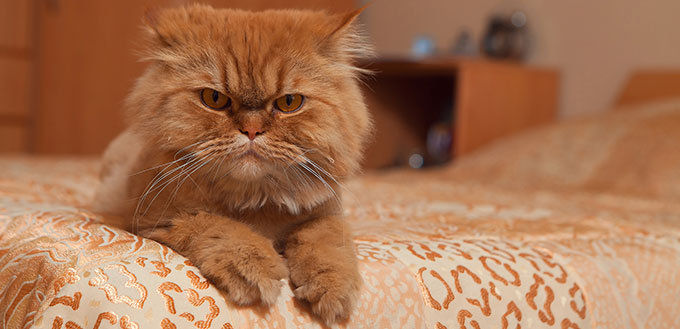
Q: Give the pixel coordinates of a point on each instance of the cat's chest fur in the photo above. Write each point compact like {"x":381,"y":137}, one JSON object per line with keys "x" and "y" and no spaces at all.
{"x":201,"y":194}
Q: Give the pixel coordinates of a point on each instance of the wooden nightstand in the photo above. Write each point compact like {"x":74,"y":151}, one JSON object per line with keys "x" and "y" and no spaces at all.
{"x":478,"y":100}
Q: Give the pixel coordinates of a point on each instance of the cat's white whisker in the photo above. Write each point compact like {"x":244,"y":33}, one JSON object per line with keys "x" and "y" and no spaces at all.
{"x":184,"y":168}
{"x":191,"y":156}
{"x":206,"y":160}
{"x":325,"y":183}
{"x":157,"y":180}
{"x":307,"y":181}
{"x":319,"y":168}
{"x":156,"y":184}
{"x":187,"y":147}
{"x":219,"y":167}
{"x":296,"y":161}
{"x":167,"y":164}
{"x":322,"y":170}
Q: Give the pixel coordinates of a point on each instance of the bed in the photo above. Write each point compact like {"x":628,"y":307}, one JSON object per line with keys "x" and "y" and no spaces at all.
{"x":574,"y":225}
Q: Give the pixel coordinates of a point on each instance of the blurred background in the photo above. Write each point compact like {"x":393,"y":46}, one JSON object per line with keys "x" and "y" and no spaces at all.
{"x":451,"y":75}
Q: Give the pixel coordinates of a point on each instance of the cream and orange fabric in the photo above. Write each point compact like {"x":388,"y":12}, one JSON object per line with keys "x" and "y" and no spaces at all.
{"x":632,"y":150}
{"x":436,"y":250}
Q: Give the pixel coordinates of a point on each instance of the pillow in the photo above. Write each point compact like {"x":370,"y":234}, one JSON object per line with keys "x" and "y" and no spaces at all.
{"x":634,"y":151}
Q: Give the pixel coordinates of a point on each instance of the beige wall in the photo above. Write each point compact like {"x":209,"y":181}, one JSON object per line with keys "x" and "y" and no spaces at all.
{"x":596,"y":44}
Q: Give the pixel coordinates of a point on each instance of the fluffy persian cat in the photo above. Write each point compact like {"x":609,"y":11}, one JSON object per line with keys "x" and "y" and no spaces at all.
{"x":239,"y":132}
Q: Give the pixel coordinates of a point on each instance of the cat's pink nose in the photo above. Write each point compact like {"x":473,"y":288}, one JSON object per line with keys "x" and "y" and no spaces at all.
{"x":252,"y":131}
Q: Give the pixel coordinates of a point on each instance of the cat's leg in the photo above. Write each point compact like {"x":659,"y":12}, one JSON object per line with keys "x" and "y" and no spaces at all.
{"x":323,"y":267}
{"x":228,"y":253}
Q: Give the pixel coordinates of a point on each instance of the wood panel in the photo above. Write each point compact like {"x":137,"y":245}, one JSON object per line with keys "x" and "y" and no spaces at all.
{"x":15,"y":27}
{"x":14,"y":86}
{"x":650,"y":85}
{"x":496,"y":99}
{"x":87,"y":67}
{"x":13,"y":138}
{"x":15,"y":73}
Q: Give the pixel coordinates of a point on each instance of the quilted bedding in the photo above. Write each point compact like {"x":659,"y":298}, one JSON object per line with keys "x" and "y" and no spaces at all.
{"x":437,"y":249}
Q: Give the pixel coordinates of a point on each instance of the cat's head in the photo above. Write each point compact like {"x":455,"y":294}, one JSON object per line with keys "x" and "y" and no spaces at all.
{"x":272,"y":96}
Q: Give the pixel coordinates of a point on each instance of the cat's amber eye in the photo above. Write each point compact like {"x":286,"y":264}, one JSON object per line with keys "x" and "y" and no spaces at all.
{"x":289,"y":103}
{"x":215,"y":99}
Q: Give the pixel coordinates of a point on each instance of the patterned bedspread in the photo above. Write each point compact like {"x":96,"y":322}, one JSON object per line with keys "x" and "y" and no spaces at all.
{"x":433,"y":254}
{"x":435,"y":251}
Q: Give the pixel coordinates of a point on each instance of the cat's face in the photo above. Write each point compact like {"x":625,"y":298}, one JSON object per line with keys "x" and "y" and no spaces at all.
{"x":265,"y":95}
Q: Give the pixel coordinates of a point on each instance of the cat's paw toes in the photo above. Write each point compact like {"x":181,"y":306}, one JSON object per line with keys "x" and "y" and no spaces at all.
{"x":269,"y":290}
{"x":239,"y":291}
{"x":263,"y":270}
{"x":252,"y":274}
{"x":331,"y":295}
{"x":249,"y":289}
{"x":257,"y":276}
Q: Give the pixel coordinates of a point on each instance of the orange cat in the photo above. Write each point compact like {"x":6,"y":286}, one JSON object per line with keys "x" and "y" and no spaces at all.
{"x":239,"y":133}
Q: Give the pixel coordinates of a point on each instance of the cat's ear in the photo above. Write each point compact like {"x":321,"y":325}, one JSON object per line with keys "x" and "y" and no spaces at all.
{"x":151,"y":24}
{"x":159,"y":43}
{"x":345,"y":22}
{"x":345,"y":40}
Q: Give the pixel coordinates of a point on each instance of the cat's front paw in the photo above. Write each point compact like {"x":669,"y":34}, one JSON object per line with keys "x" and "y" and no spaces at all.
{"x":248,"y":274}
{"x":332,"y":293}
{"x":235,"y":259}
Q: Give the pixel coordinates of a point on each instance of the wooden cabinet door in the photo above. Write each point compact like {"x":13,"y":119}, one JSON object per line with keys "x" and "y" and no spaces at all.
{"x":15,"y":74}
{"x":86,"y":66}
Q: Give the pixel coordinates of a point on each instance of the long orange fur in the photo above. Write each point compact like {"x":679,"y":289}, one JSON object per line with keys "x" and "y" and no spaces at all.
{"x":247,"y":212}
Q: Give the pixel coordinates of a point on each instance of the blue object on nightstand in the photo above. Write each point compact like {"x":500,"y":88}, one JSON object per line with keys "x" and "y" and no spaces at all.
{"x":422,"y":46}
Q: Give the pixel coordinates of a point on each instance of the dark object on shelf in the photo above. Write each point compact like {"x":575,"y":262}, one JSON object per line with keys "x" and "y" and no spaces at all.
{"x":506,"y":37}
{"x":464,"y":45}
{"x":439,"y":142}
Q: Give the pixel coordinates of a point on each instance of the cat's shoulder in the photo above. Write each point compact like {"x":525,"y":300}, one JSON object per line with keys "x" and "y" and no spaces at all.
{"x":121,"y":153}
